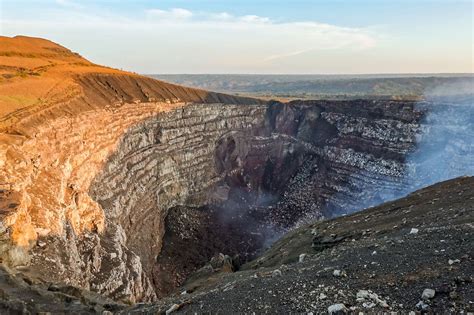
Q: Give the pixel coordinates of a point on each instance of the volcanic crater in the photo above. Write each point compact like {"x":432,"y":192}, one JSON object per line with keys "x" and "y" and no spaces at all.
{"x":202,"y":179}
{"x":127,"y":185}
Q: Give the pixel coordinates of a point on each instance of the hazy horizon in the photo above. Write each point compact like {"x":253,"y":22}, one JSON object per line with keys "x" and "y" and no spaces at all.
{"x":329,"y":74}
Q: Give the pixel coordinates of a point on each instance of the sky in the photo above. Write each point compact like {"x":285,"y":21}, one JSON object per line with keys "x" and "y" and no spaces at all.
{"x":252,"y":36}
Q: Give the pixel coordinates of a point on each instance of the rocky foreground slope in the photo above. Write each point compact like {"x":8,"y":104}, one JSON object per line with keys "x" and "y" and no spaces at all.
{"x":409,"y":255}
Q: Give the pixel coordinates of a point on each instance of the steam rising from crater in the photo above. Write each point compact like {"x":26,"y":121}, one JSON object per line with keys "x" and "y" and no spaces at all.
{"x":444,"y":145}
{"x":446,"y":148}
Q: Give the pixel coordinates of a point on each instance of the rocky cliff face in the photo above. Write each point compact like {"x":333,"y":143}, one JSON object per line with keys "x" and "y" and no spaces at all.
{"x":65,"y":120}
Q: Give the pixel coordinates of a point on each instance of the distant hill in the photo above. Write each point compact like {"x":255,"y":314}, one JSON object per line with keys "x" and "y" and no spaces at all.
{"x":330,"y":86}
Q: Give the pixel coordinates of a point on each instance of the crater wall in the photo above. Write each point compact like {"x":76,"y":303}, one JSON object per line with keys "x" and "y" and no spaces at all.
{"x":276,"y":164}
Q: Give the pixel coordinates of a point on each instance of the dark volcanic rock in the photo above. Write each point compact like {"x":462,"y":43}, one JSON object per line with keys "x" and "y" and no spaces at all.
{"x":20,"y":294}
{"x":324,"y":242}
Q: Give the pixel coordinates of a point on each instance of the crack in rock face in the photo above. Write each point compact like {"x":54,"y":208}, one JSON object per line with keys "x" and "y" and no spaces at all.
{"x":203,"y":179}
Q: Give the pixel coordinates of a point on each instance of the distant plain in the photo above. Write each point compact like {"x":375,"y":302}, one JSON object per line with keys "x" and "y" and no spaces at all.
{"x":289,"y":87}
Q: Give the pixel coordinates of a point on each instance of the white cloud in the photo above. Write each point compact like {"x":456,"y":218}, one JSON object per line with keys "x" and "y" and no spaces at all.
{"x":254,"y":19}
{"x":175,"y":13}
{"x":221,"y":16}
{"x":280,"y":39}
{"x":285,"y":55}
{"x":180,"y":13}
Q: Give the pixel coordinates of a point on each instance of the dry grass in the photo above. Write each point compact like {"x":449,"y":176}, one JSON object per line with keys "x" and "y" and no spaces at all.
{"x":37,"y":73}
